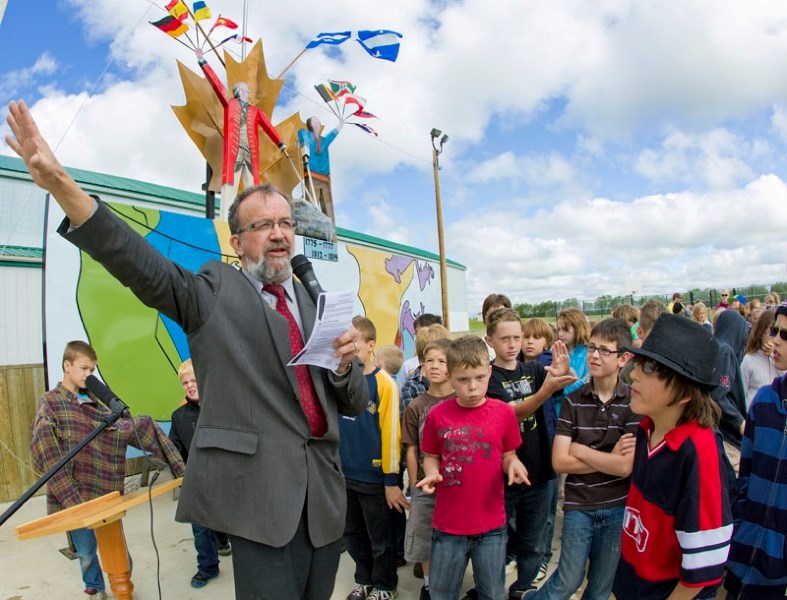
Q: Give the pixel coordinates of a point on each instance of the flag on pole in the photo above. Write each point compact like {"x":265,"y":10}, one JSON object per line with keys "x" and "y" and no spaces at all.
{"x":331,"y":39}
{"x":200,"y":11}
{"x":224,"y":22}
{"x":380,"y":43}
{"x":363,"y":114}
{"x":235,"y":37}
{"x":178,"y":10}
{"x":340,"y":88}
{"x":171,"y":26}
{"x":365,"y":127}
{"x":325,"y":92}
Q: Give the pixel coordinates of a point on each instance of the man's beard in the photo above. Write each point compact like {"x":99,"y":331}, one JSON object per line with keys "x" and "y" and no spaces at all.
{"x":275,"y":271}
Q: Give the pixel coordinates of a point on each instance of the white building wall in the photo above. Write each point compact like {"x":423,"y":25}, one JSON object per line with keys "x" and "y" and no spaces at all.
{"x":21,"y":332}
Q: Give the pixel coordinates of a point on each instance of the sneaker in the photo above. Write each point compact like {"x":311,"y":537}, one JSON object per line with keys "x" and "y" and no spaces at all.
{"x":425,"y":595}
{"x":382,"y":594}
{"x":470,"y":594}
{"x":542,"y":573}
{"x":418,"y":571}
{"x":224,"y":550}
{"x":200,"y":580}
{"x":359,"y":592}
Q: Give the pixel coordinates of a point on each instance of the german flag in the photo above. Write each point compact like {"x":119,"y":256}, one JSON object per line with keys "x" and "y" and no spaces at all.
{"x":171,"y":26}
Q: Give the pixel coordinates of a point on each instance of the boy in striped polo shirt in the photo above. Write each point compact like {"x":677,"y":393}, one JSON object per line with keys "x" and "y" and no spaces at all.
{"x":595,"y":427}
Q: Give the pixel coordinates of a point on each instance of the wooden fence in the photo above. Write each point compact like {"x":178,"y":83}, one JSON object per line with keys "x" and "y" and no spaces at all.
{"x":20,"y":388}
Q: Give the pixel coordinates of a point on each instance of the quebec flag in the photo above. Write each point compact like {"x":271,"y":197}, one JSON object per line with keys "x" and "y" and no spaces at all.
{"x":380,"y":43}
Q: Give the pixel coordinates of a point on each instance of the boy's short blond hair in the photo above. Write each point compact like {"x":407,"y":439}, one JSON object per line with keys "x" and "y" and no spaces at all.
{"x":440,"y":344}
{"x":466,"y":351}
{"x":185,"y":367}
{"x":366,"y":328}
{"x":429,"y":334}
{"x":627,"y":313}
{"x":501,"y":315}
{"x":649,"y":313}
{"x":538,"y":328}
{"x":391,"y":358}
{"x":76,"y":348}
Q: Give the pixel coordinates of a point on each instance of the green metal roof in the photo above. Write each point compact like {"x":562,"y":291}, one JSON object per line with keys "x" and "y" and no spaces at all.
{"x":21,"y":256}
{"x":133,"y":187}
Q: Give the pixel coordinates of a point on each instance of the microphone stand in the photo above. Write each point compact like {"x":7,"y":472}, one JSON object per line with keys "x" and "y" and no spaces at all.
{"x":105,"y":422}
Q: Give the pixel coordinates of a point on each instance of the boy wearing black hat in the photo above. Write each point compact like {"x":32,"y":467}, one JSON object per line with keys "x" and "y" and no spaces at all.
{"x":677,"y":526}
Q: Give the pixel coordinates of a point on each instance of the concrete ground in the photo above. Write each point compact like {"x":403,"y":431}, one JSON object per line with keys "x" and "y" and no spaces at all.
{"x":36,"y":570}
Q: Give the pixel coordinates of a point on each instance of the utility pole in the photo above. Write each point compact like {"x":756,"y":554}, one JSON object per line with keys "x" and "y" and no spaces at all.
{"x":435,"y":134}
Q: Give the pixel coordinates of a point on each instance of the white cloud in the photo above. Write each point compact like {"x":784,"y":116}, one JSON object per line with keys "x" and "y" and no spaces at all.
{"x":586,"y":248}
{"x":16,"y":82}
{"x":716,"y":159}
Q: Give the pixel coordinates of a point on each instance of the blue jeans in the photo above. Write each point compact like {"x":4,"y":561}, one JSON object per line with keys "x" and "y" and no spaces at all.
{"x":206,"y":544}
{"x":593,"y":535}
{"x":528,"y":507}
{"x":450,"y":554}
{"x":549,"y":533}
{"x":85,"y":544}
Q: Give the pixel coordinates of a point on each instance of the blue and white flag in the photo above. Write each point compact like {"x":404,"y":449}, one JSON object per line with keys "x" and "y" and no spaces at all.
{"x":380,"y":43}
{"x":331,"y":39}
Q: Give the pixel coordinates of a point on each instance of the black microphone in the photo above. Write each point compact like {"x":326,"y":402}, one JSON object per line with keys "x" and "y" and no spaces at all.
{"x":107,"y":396}
{"x":302,"y":267}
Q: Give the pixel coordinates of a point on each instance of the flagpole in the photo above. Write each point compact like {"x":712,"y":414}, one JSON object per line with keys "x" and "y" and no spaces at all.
{"x":207,"y":39}
{"x":292,"y":62}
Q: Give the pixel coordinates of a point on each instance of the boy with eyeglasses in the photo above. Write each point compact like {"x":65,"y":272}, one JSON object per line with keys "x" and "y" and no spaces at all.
{"x":592,"y":445}
{"x":758,"y":565}
{"x":677,"y":525}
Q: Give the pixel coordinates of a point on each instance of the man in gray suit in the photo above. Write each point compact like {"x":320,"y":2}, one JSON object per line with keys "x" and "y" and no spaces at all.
{"x":264,"y":462}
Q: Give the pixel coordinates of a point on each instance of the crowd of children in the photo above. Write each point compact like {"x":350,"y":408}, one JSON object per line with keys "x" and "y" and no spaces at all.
{"x":668,"y":439}
{"x":644,"y":414}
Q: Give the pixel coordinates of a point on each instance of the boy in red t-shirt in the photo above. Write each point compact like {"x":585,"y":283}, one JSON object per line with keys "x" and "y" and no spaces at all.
{"x":466,"y":442}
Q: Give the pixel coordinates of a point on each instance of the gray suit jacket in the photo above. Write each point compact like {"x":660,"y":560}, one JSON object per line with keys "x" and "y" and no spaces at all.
{"x":253,"y":459}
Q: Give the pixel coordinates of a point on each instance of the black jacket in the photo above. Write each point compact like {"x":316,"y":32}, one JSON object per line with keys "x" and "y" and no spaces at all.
{"x":184,"y":424}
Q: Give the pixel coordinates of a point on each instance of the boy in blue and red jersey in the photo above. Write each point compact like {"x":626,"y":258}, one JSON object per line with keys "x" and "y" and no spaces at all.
{"x":677,"y":525}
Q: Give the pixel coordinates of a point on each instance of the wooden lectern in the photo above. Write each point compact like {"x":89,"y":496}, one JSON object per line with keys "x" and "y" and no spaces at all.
{"x":105,"y":516}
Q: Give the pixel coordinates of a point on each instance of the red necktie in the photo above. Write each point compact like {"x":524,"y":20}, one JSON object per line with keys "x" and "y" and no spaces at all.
{"x":308,"y":396}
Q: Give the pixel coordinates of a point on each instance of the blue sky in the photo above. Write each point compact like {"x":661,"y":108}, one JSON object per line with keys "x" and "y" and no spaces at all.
{"x":594,"y":147}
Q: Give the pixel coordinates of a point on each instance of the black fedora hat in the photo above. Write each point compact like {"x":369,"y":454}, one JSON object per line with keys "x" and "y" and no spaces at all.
{"x":682,"y":346}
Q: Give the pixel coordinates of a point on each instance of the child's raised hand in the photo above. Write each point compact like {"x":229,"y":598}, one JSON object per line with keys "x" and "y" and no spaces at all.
{"x":429,"y":483}
{"x":560,"y":363}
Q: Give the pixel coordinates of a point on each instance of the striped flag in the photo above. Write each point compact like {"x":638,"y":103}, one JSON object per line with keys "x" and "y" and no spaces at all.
{"x":325,"y":92}
{"x":178,"y":10}
{"x":200,"y":10}
{"x":365,"y":127}
{"x":380,"y":43}
{"x":330,"y":39}
{"x":171,"y":26}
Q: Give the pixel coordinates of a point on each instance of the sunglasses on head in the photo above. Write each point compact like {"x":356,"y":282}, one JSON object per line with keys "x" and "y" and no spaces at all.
{"x":773,"y":331}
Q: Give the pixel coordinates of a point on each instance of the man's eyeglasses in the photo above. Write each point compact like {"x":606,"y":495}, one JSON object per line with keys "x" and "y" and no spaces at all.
{"x":648,"y":365}
{"x":602,"y":351}
{"x":266,"y":225}
{"x":774,"y":331}
{"x":724,"y":295}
